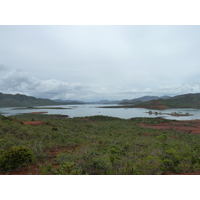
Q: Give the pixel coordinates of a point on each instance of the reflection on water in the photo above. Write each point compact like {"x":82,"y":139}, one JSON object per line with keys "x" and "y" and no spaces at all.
{"x":91,"y":110}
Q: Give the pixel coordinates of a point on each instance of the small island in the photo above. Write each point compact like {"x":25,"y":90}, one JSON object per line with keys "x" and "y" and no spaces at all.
{"x":176,"y":114}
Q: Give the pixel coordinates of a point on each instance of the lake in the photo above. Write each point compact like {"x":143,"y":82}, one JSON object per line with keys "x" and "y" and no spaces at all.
{"x":91,"y":110}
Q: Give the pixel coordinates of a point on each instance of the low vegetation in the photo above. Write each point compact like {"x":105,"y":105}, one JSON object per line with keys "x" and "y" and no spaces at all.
{"x":96,"y":145}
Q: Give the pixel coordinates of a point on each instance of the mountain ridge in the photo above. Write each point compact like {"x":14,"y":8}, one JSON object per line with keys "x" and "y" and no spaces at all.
{"x":142,"y":99}
{"x":21,"y":100}
{"x":190,"y":100}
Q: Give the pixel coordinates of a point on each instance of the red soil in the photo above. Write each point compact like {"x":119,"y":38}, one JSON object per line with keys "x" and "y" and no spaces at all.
{"x":30,"y":170}
{"x":33,"y":122}
{"x":86,"y":119}
{"x":191,"y":126}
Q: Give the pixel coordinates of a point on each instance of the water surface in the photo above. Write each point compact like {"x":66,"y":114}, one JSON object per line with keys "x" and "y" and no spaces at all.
{"x":91,"y":110}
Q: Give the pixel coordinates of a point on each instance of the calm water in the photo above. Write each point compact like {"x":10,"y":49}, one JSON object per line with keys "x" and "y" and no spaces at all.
{"x":91,"y":110}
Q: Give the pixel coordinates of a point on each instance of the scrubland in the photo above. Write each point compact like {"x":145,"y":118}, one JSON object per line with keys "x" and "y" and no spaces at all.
{"x":97,"y":145}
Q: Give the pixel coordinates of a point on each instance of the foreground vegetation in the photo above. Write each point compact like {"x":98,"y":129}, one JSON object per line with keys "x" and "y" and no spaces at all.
{"x":95,"y":145}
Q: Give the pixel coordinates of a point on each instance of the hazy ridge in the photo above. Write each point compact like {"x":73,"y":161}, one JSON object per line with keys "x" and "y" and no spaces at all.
{"x":150,"y":102}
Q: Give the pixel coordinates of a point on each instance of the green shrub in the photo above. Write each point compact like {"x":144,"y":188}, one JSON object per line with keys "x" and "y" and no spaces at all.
{"x":46,"y":169}
{"x":171,"y":160}
{"x":15,"y":157}
{"x":67,"y":169}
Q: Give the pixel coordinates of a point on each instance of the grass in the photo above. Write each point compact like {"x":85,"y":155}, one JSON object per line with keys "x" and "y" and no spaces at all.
{"x":101,"y":145}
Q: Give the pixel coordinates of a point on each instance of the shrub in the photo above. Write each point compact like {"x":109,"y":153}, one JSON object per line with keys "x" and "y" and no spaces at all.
{"x":15,"y":157}
{"x":171,"y":161}
{"x":46,"y":169}
{"x":67,"y":169}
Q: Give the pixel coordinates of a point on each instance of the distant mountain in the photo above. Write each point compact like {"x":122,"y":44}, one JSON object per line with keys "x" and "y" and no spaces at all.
{"x":83,"y":102}
{"x":150,"y":102}
{"x":179,"y":101}
{"x":19,"y":100}
{"x":142,"y":99}
{"x":105,"y":102}
{"x":69,"y":101}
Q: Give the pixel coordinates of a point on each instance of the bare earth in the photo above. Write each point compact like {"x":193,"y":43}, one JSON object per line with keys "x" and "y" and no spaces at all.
{"x":190,"y":126}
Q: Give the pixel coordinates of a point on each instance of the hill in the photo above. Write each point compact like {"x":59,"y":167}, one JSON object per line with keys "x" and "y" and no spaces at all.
{"x":142,"y":99}
{"x":180,"y":101}
{"x":68,"y":102}
{"x":19,"y":100}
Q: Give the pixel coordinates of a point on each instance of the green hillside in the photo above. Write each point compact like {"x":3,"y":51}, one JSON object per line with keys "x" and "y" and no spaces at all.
{"x":19,"y":100}
{"x":180,"y":101}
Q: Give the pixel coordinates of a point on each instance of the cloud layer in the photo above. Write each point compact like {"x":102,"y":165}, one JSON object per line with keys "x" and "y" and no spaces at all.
{"x":99,"y":62}
{"x":16,"y":81}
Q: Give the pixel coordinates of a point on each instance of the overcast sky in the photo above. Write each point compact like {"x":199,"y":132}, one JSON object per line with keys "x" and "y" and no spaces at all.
{"x":99,"y":62}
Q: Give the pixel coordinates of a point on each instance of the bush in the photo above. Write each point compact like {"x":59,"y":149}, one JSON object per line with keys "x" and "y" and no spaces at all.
{"x":46,"y":169}
{"x":67,"y":169}
{"x":15,"y":157}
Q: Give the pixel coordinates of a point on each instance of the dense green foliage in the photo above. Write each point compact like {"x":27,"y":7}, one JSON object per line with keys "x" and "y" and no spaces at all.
{"x":15,"y":157}
{"x":101,"y":145}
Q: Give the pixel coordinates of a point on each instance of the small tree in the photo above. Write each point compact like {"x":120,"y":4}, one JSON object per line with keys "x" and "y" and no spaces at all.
{"x":150,"y":112}
{"x":15,"y":157}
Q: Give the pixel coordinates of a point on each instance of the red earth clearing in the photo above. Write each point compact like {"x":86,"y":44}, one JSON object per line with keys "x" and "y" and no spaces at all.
{"x":190,"y":126}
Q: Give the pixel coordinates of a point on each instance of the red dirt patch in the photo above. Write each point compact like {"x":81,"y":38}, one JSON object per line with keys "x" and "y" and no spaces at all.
{"x":30,"y":170}
{"x":33,"y":122}
{"x":190,"y":126}
{"x":86,"y":119}
{"x":59,"y":150}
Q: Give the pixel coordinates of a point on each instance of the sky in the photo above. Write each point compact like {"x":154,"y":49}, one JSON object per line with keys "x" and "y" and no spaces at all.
{"x":97,"y":62}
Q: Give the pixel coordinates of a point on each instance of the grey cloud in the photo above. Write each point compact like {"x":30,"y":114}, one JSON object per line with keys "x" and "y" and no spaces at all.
{"x":3,"y":68}
{"x":18,"y":80}
{"x":180,"y":89}
{"x":99,"y":61}
{"x":23,"y":82}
